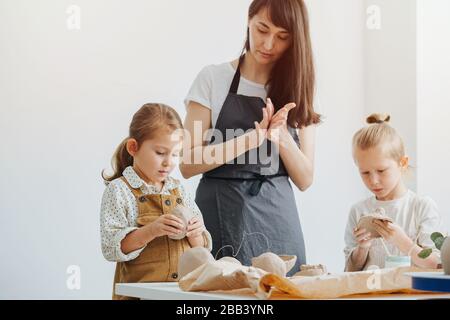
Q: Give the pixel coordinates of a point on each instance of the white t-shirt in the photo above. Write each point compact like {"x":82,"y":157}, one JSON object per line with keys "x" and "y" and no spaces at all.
{"x":212,"y":84}
{"x":418,"y":216}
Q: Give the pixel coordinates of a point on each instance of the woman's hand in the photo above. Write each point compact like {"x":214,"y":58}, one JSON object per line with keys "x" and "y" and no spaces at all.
{"x":262,"y":126}
{"x":394,"y":234}
{"x":166,"y":225}
{"x":363,"y":238}
{"x":278,"y":123}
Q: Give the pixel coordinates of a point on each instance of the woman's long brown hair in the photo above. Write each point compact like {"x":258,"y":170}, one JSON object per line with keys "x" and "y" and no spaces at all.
{"x":292,"y":78}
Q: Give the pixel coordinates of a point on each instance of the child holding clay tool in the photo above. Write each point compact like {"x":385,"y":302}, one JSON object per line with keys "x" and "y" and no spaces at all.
{"x":140,"y":229}
{"x":379,"y":154}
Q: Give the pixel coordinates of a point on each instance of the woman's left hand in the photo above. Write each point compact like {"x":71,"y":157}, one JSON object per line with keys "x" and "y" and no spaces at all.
{"x":394,"y":234}
{"x":278,"y":122}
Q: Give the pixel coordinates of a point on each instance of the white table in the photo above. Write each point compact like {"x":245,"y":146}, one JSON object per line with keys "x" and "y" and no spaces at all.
{"x":171,"y":291}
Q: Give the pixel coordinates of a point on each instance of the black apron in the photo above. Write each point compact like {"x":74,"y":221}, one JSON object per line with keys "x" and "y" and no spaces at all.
{"x":248,"y":204}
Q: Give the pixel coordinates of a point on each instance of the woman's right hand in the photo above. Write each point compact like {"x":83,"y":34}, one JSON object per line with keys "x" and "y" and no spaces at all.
{"x":363,"y":238}
{"x":166,"y":225}
{"x":262,"y":127}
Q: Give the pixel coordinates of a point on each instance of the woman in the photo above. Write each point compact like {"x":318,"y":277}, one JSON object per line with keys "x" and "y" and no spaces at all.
{"x":249,"y":206}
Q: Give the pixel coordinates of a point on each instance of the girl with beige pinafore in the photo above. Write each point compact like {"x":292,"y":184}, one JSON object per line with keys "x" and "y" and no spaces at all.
{"x":139,"y":229}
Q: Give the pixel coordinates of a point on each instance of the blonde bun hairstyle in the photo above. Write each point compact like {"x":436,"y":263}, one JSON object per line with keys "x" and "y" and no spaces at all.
{"x":379,"y":133}
{"x":378,"y":118}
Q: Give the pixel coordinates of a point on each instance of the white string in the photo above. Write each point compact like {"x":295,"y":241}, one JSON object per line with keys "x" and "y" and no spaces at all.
{"x":242,"y":242}
{"x":385,"y":247}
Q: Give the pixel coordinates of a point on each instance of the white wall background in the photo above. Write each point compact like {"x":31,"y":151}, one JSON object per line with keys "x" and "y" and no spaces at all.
{"x":433,"y":102}
{"x":67,"y":97}
{"x":390,"y":70}
{"x":337,"y":33}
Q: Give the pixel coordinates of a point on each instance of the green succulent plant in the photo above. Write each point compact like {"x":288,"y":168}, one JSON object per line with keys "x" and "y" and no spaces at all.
{"x":438,"y":239}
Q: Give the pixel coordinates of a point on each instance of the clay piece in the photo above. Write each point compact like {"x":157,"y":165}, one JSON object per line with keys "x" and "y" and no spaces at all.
{"x":272,"y":263}
{"x":307,"y":270}
{"x":185,"y":214}
{"x":230,"y":259}
{"x":367,"y":221}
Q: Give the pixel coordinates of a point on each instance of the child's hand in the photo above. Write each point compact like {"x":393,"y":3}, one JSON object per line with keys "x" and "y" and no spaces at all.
{"x":166,"y":225}
{"x":394,"y":234}
{"x":363,"y":238}
{"x":195,"y":228}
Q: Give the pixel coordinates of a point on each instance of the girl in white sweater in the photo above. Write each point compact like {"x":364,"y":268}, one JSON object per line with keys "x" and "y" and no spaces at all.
{"x":379,"y":154}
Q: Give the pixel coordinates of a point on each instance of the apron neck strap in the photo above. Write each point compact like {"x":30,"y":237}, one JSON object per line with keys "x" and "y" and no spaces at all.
{"x":237,"y":76}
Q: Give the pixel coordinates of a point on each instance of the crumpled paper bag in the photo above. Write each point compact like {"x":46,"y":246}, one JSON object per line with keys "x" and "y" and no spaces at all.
{"x":331,"y":286}
{"x":199,"y":271}
{"x":224,"y":276}
{"x":221,"y":275}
